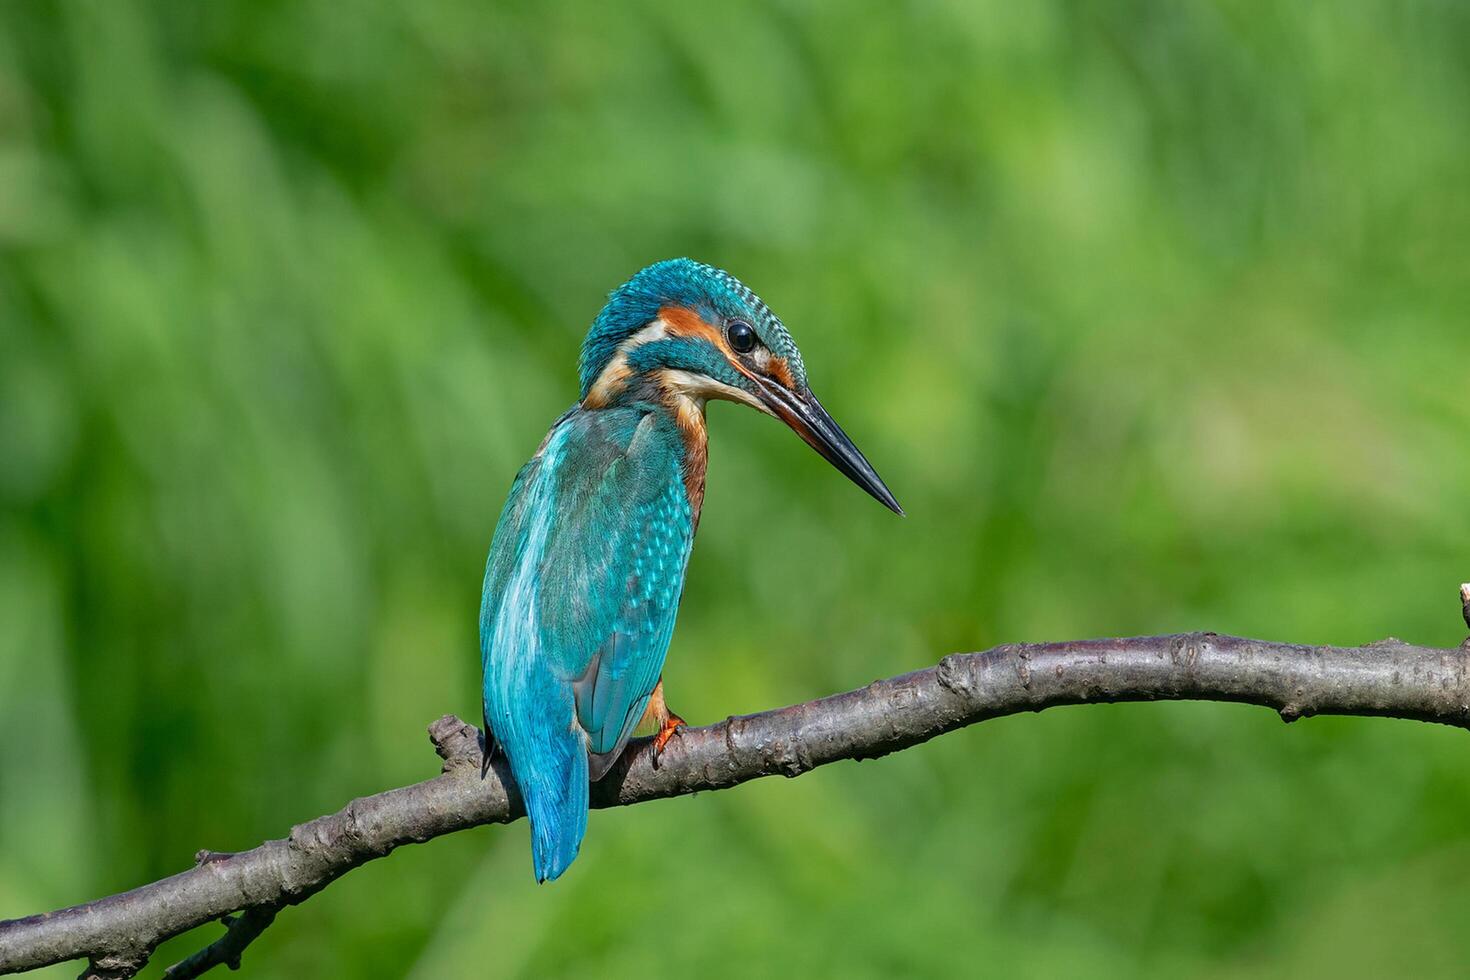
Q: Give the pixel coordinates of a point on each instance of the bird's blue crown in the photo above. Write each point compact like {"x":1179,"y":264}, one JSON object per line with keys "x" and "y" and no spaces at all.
{"x":712,"y":293}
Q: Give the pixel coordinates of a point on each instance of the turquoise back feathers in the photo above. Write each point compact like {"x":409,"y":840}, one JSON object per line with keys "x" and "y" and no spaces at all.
{"x":580,"y":595}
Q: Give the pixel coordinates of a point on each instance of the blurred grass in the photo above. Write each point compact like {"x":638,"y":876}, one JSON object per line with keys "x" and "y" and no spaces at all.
{"x":1152,"y":314}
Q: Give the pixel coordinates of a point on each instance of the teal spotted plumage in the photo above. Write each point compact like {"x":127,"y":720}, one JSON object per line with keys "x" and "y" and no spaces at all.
{"x":587,"y":564}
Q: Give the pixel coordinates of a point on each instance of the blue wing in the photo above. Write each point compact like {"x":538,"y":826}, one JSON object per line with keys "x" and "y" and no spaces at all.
{"x":581,"y":592}
{"x":613,"y":692}
{"x":618,"y":555}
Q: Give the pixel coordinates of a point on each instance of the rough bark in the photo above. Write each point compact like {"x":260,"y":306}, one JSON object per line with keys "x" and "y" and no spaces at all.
{"x":117,"y":934}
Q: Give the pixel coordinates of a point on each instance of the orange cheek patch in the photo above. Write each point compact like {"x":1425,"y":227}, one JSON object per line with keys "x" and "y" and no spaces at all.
{"x":684,"y":322}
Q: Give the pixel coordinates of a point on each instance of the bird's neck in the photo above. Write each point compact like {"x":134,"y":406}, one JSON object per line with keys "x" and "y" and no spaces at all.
{"x":669,"y":394}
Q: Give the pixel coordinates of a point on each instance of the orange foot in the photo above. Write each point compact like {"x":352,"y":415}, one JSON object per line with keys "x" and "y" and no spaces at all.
{"x":672,"y":726}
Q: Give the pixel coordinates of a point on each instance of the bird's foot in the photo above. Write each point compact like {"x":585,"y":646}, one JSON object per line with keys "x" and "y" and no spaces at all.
{"x":672,"y":725}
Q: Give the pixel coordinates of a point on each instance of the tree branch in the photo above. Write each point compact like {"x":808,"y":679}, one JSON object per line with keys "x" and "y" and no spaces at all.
{"x":118,"y":934}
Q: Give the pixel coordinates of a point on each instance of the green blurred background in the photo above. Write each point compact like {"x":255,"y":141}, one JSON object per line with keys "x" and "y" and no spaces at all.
{"x":1153,"y":314}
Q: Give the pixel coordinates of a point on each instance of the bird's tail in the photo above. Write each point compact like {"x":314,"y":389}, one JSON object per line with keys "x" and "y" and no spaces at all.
{"x":554,"y":787}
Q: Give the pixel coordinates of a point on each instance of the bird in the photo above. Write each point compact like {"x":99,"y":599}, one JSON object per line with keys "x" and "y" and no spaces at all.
{"x":586,"y":565}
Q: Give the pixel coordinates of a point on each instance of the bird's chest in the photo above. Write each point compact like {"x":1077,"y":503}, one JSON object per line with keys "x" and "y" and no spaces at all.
{"x":696,"y":460}
{"x":688,"y":414}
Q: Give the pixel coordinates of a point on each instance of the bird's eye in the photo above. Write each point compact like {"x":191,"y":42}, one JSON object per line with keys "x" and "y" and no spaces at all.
{"x":741,"y":335}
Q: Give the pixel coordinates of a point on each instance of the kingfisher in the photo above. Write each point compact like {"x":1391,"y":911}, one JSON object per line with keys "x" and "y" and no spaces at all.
{"x":586,"y":566}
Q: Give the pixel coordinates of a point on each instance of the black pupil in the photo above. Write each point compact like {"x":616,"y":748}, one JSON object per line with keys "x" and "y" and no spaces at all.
{"x":742,"y":337}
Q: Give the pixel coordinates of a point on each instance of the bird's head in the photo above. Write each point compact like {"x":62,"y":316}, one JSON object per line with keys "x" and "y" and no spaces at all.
{"x":693,"y":332}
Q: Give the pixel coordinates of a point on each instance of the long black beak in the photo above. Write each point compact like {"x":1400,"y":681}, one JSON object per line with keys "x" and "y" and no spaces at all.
{"x":808,"y":419}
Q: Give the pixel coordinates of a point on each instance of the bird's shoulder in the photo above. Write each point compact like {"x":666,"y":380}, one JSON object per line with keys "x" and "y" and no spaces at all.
{"x":617,"y":488}
{"x":627,"y":445}
{"x":592,"y":466}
